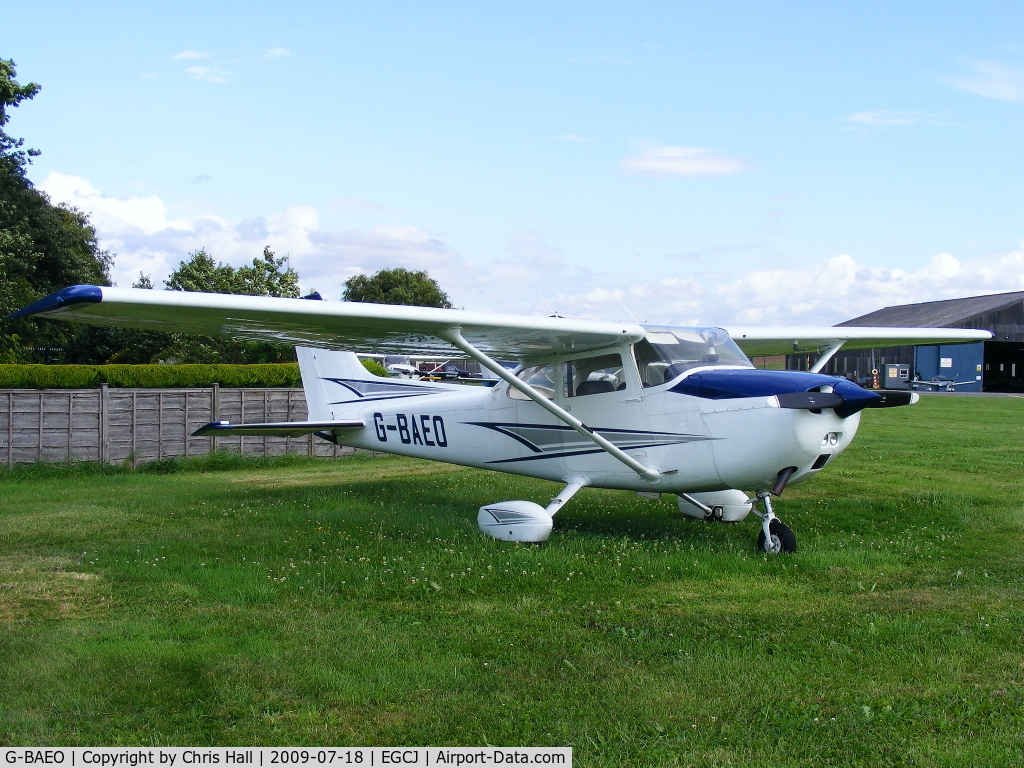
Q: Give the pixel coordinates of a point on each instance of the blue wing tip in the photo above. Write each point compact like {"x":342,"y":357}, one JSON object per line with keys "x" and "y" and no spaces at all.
{"x":61,"y":300}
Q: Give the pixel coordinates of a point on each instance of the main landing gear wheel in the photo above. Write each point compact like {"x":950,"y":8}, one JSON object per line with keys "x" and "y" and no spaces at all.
{"x":782,"y":539}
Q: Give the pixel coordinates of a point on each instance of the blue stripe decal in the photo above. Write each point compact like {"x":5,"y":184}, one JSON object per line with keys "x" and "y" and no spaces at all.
{"x":61,"y":300}
{"x":370,"y":391}
{"x":565,"y":454}
{"x":381,"y":397}
{"x":547,"y":441}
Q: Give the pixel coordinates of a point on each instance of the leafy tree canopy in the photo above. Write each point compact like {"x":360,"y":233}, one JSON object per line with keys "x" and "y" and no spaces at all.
{"x":43,"y":247}
{"x":396,"y":286}
{"x":11,"y":95}
{"x":268,"y":275}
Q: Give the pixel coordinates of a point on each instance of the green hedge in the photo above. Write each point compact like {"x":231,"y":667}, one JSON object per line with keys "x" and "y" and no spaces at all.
{"x":153,"y":376}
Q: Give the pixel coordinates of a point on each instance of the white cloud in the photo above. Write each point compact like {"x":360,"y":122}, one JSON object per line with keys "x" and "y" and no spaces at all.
{"x":528,"y":271}
{"x":829,"y":291}
{"x":277,"y":53}
{"x":140,"y":231}
{"x":992,"y":80}
{"x":340,"y":255}
{"x":212,"y":74}
{"x":681,"y":161}
{"x":145,"y":214}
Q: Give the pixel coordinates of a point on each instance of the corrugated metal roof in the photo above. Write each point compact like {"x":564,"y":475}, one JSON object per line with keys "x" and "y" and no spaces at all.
{"x":936,"y":314}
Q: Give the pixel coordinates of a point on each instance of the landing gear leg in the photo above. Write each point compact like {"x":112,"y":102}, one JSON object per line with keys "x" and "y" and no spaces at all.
{"x":775,"y":536}
{"x":525,"y":520}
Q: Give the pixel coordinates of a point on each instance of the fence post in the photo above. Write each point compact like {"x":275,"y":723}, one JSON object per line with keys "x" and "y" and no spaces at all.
{"x":135,"y":410}
{"x":10,"y":430}
{"x":104,"y":456}
{"x":71,"y":422}
{"x":184,"y":450}
{"x":39,"y":447}
{"x":214,"y":411}
{"x":159,"y":424}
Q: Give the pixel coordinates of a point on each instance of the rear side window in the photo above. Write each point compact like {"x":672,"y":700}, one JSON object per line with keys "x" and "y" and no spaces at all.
{"x":593,"y":376}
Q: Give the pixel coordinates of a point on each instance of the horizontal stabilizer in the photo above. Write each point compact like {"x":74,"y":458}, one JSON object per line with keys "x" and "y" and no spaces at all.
{"x":275,"y":428}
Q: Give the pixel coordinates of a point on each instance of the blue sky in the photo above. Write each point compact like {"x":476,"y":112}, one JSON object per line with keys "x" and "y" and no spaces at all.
{"x":728,"y":162}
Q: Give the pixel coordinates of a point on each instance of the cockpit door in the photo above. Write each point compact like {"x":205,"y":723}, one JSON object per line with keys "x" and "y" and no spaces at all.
{"x":603,"y":391}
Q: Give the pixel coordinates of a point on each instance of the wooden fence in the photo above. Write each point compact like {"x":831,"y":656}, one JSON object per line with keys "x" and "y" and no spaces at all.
{"x":138,"y":425}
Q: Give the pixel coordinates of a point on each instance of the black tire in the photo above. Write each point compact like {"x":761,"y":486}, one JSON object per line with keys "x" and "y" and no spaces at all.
{"x":784,"y":534}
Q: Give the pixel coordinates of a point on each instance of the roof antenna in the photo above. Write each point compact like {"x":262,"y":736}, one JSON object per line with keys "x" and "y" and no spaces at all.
{"x":628,"y":312}
{"x":553,"y":312}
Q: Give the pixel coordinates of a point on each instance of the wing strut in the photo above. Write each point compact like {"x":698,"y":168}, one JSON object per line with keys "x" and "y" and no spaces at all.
{"x":825,"y":356}
{"x":454,"y":336}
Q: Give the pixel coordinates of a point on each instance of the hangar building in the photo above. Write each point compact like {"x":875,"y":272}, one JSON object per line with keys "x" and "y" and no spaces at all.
{"x":989,"y":366}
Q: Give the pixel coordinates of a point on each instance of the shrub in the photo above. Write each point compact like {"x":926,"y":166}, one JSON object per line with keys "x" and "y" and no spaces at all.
{"x":147,"y":376}
{"x":157,"y":376}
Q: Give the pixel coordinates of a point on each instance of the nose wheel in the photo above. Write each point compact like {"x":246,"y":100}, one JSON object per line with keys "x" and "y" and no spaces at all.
{"x":775,"y":536}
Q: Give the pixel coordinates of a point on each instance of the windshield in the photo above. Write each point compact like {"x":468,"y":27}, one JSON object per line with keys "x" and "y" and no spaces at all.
{"x":666,"y":352}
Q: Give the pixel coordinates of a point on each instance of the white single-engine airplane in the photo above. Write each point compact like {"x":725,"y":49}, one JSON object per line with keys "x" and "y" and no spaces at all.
{"x":650,"y":409}
{"x":937,"y":384}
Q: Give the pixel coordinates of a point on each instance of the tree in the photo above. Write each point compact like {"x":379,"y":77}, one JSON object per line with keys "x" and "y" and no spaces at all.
{"x":201,"y":273}
{"x":11,"y":95}
{"x":396,"y":286}
{"x":43,"y":247}
{"x":267,"y":276}
{"x":124,"y":345}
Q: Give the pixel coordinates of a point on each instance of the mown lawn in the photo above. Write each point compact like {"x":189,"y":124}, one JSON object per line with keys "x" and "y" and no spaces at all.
{"x":353,"y":602}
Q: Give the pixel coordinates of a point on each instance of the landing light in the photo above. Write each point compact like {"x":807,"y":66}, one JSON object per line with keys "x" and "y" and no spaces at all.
{"x":831,"y":439}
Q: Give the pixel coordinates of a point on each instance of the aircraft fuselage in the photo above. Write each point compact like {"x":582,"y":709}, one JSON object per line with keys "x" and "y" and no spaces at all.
{"x":697,"y":443}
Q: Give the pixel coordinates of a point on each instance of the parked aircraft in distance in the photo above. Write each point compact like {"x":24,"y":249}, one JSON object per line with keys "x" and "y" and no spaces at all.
{"x":937,"y":384}
{"x":646,"y":408}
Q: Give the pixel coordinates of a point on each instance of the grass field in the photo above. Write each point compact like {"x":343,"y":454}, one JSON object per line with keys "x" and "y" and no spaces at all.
{"x":242,"y":602}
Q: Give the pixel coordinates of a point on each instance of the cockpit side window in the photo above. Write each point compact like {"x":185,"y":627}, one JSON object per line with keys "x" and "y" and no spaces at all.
{"x":665,"y":353}
{"x":593,"y":376}
{"x":540,"y":377}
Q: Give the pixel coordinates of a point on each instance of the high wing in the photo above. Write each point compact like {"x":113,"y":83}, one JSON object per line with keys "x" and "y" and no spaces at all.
{"x":795,"y":339}
{"x":387,"y":328}
{"x":329,"y":324}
